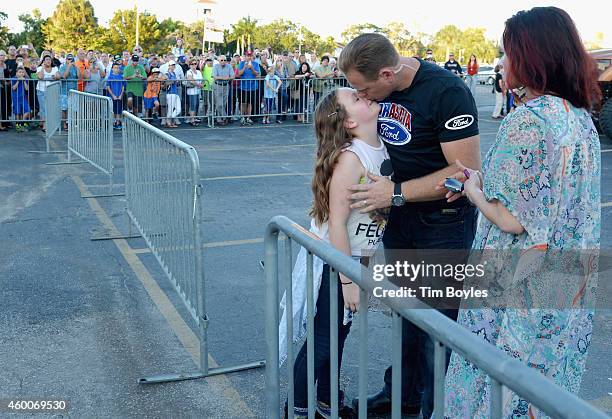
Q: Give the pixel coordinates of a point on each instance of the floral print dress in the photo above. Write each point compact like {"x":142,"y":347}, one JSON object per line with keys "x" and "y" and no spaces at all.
{"x":545,"y":168}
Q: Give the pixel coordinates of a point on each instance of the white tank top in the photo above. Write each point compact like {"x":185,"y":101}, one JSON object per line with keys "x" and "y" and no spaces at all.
{"x":363,"y":232}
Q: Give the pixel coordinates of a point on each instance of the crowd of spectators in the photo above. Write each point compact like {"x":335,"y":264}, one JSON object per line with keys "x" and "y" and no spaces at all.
{"x":259,"y":85}
{"x":169,"y":89}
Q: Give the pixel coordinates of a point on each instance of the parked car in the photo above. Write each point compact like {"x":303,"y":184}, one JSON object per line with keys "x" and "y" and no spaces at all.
{"x":602,"y":115}
{"x":486,"y":75}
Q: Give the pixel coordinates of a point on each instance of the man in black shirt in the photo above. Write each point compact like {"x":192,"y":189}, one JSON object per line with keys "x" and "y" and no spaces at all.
{"x":452,"y":65}
{"x":428,"y":120}
{"x":11,"y":60}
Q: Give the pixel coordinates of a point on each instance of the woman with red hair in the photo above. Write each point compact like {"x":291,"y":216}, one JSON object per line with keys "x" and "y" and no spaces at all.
{"x":539,"y":196}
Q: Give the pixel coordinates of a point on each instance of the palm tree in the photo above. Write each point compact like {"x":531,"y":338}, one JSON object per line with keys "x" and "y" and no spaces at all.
{"x":244,"y":27}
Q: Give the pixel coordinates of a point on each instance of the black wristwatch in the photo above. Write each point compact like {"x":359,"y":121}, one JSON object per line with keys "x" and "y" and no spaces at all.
{"x":397,"y":200}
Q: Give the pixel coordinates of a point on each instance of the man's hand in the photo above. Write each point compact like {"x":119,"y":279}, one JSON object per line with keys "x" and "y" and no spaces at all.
{"x":371,"y":196}
{"x":474,"y":182}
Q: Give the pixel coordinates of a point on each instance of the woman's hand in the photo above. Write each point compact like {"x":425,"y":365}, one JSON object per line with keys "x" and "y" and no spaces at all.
{"x":350,"y":293}
{"x":471,"y":179}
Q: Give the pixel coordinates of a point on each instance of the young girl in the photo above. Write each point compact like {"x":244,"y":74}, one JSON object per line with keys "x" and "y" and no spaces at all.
{"x":347,"y":148}
{"x":20,"y":95}
{"x":272,"y":85}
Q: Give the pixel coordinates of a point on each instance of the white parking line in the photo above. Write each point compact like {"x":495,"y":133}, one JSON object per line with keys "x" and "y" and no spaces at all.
{"x":264,"y":175}
{"x":250,"y":148}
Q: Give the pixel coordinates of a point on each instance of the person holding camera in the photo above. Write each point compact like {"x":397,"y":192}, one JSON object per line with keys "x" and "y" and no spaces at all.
{"x":248,"y":71}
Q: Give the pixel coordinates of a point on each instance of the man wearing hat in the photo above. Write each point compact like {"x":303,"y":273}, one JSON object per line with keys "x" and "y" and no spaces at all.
{"x":135,"y":74}
{"x":248,"y":71}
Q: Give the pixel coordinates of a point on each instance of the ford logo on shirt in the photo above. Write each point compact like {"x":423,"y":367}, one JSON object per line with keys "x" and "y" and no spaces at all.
{"x":394,"y":123}
{"x":459,"y":122}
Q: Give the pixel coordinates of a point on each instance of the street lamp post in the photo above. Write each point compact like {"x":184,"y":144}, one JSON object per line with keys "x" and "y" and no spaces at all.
{"x":137,"y":26}
{"x":300,"y":39}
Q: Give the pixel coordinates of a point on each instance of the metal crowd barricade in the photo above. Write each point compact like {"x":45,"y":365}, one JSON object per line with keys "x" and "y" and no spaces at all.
{"x":90,"y":134}
{"x":163,"y":197}
{"x":19,"y":105}
{"x":502,"y":370}
{"x":296,"y":98}
{"x":53,"y":118}
{"x":53,"y":112}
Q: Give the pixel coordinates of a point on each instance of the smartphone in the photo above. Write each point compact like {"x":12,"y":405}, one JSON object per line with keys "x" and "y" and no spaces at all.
{"x":348,"y":317}
{"x":453,"y":185}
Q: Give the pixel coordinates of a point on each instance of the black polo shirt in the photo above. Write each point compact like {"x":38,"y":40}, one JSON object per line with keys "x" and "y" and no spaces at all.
{"x":436,"y":108}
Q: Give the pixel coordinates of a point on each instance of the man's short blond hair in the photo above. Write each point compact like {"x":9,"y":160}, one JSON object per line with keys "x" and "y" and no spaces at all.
{"x":368,"y":54}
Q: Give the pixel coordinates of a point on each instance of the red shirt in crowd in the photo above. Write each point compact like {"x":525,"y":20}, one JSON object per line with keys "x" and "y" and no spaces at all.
{"x":472,"y":68}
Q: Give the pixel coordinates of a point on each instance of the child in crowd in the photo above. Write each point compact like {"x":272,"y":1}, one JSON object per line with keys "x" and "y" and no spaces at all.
{"x":151,"y":95}
{"x":20,"y":98}
{"x":115,"y":87}
{"x":348,"y":147}
{"x":173,"y":100}
{"x":271,"y":87}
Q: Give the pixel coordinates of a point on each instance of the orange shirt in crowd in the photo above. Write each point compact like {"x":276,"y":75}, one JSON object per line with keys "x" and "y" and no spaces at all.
{"x":81,"y":67}
{"x":153,"y":88}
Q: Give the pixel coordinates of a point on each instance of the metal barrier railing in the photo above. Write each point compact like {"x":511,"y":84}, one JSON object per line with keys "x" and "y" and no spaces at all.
{"x":19,"y":101}
{"x":502,"y":370}
{"x":90,"y":133}
{"x":53,"y":113}
{"x":163,"y":194}
{"x":296,"y":97}
{"x":216,"y":101}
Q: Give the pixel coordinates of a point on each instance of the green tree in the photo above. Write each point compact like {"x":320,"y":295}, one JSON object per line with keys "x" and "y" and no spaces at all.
{"x":4,"y":32}
{"x":314,"y":43}
{"x":280,"y":35}
{"x":446,"y":40}
{"x":473,"y":41}
{"x":192,"y":36}
{"x":403,"y":40}
{"x":244,"y":27}
{"x":32,"y":30}
{"x":355,"y":30}
{"x":72,"y":25}
{"x":170,"y":30}
{"x":121,"y":33}
{"x":596,"y":42}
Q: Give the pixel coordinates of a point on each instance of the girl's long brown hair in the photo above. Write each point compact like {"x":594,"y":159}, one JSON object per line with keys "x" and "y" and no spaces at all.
{"x":332,"y":138}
